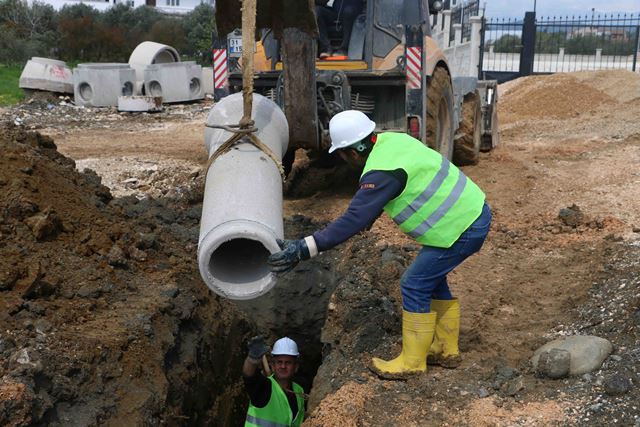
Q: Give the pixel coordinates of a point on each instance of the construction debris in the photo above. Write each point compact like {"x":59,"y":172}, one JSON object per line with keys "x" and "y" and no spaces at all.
{"x":140,"y":104}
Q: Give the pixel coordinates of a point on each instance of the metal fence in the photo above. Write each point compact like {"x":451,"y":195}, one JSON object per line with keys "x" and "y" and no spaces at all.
{"x":513,"y":47}
{"x":501,"y":44}
{"x":586,"y":43}
{"x":461,"y":15}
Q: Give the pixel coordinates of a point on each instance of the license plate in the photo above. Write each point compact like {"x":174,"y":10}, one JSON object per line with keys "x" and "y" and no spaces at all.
{"x":235,"y":45}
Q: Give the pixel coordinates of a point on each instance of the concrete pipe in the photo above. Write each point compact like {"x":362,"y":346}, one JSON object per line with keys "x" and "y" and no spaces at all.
{"x":148,"y":53}
{"x":100,"y":85}
{"x":46,"y":74}
{"x":242,"y":207}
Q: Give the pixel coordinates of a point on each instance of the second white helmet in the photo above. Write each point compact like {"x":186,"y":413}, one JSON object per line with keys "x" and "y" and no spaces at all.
{"x":349,"y":127}
{"x":285,"y":347}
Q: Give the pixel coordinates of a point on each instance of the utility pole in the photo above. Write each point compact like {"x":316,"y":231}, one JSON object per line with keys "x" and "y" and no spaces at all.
{"x":534,"y":5}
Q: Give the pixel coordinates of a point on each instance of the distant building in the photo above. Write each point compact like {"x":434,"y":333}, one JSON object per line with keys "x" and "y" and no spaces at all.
{"x":177,"y":7}
{"x":620,"y":34}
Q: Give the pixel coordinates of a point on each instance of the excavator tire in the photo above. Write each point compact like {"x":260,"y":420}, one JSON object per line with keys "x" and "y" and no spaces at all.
{"x":440,"y":112}
{"x":466,"y":149}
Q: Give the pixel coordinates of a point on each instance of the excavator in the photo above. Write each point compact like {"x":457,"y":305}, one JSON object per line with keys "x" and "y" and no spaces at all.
{"x":393,"y":71}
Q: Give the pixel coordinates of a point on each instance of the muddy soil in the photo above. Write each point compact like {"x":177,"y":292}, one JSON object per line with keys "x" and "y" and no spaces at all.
{"x":101,"y":311}
{"x":568,"y":140}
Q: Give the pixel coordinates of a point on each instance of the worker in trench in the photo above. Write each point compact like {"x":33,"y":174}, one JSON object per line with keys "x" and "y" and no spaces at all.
{"x":275,"y":400}
{"x":433,"y":202}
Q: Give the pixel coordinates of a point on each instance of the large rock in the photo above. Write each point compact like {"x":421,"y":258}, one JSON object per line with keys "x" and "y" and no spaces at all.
{"x":587,"y":353}
{"x":555,"y":363}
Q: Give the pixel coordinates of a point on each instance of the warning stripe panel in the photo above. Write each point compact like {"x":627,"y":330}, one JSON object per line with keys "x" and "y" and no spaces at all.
{"x":219,"y":68}
{"x":414,"y":67}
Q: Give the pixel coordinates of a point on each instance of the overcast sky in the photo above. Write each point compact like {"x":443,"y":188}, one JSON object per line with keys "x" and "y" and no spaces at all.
{"x":516,"y":8}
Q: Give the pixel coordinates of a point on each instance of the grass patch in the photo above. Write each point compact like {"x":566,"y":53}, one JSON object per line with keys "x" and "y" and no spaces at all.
{"x":10,"y":92}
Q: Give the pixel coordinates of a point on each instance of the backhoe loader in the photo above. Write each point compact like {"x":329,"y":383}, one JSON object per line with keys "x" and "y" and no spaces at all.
{"x":393,"y":71}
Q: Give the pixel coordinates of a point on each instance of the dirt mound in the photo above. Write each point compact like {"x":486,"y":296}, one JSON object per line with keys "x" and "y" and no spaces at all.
{"x":558,"y":96}
{"x":99,"y":301}
{"x":591,"y":105}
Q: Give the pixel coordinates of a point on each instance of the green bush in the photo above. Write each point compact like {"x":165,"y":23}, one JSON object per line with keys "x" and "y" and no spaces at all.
{"x":10,"y":92}
{"x":508,"y":43}
{"x":199,"y":26}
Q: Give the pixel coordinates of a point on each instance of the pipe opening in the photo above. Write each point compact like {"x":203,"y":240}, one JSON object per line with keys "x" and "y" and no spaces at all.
{"x":239,"y":261}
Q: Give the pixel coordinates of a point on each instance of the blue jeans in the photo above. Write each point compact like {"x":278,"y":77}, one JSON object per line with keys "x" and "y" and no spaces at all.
{"x":426,"y":277}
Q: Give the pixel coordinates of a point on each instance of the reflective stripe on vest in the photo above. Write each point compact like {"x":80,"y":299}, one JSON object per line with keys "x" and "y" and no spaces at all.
{"x":438,"y":202}
{"x":431,"y":189}
{"x":442,"y":209}
{"x":263,"y":423}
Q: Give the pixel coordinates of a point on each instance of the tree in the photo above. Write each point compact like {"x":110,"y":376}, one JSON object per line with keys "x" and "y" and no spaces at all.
{"x":168,"y":31}
{"x":77,"y":25}
{"x":26,"y":31}
{"x":508,"y":43}
{"x":199,"y":25}
{"x":550,"y":42}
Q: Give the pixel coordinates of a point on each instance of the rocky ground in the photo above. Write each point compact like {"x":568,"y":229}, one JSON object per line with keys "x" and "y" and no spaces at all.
{"x":561,"y":260}
{"x":104,"y":317}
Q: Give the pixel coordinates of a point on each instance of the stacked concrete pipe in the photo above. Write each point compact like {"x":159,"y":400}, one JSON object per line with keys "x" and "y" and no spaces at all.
{"x":100,"y":85}
{"x":242,"y":207}
{"x":148,"y":53}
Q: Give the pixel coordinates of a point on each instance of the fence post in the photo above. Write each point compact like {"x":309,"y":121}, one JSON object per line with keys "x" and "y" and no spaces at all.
{"x":637,"y":49}
{"x":458,"y":37}
{"x":475,"y":41}
{"x":446,"y":16}
{"x":528,"y":44}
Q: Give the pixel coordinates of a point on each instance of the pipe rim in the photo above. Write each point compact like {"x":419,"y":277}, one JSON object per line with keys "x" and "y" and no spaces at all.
{"x":233,"y":230}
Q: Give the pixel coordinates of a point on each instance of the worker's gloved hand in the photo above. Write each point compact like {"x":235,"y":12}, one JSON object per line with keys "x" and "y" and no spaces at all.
{"x":293,"y":251}
{"x":257,"y":347}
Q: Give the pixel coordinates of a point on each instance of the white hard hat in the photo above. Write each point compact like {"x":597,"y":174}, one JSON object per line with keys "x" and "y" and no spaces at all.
{"x":349,"y":127}
{"x":285,"y":347}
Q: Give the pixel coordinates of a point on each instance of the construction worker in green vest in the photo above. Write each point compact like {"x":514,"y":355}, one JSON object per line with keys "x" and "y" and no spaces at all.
{"x":275,"y":400}
{"x":434,"y":203}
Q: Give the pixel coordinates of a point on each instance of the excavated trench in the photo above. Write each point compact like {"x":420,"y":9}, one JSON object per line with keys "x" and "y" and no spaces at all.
{"x":105,"y":316}
{"x":296,"y":307}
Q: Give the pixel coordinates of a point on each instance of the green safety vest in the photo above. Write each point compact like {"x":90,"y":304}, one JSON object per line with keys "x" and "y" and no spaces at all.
{"x":438,"y":202}
{"x":277,"y":413}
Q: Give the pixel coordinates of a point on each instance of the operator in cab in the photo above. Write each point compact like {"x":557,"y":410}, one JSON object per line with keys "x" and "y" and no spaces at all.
{"x":431,"y":201}
{"x":341,"y":14}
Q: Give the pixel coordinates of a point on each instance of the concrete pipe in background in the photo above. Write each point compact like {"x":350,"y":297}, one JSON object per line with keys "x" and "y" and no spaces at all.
{"x":148,"y":53}
{"x":46,"y":74}
{"x":242,"y":207}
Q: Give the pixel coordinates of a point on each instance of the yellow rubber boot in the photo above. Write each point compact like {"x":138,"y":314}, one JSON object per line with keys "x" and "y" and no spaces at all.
{"x":417,"y":334}
{"x":444,"y":349}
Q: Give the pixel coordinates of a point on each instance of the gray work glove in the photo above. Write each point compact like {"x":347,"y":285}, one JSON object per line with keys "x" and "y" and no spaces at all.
{"x":257,"y":347}
{"x":293,"y":251}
